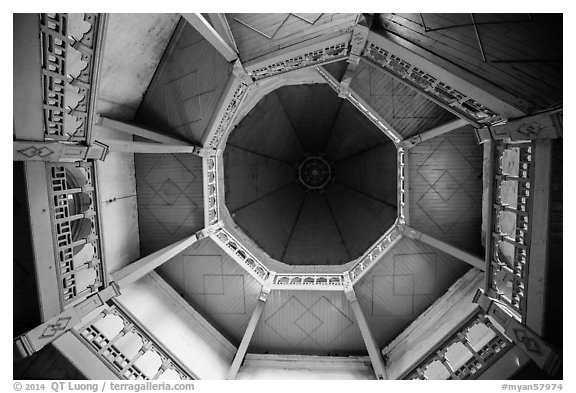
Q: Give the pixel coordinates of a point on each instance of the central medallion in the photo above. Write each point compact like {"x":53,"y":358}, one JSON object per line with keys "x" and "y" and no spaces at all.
{"x":314,"y":173}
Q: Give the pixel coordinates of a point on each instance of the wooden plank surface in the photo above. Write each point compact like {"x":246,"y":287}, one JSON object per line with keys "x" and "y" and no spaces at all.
{"x":307,"y":323}
{"x":184,"y":92}
{"x":170,"y":198}
{"x":524,"y":59}
{"x":259,"y":34}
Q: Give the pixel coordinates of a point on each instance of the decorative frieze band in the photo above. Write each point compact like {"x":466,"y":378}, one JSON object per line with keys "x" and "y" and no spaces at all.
{"x":241,"y":254}
{"x":326,"y":54}
{"x":374,"y":253}
{"x":67,"y":121}
{"x":305,"y":281}
{"x":226,"y":118}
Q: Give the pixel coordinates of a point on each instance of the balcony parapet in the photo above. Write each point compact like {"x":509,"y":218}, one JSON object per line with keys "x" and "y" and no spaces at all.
{"x":127,"y":349}
{"x":76,"y":231}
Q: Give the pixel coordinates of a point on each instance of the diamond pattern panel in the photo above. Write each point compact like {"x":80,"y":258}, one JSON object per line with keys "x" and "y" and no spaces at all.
{"x":170,"y":198}
{"x":215,"y":286}
{"x":407,"y":280}
{"x":307,"y":322}
{"x":445,"y":175}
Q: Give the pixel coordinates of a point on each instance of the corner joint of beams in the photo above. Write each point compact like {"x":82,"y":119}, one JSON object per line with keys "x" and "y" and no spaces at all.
{"x":241,"y":74}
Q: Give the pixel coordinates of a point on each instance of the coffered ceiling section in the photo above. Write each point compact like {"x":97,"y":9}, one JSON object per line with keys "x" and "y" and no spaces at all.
{"x":309,"y":178}
{"x":186,"y":88}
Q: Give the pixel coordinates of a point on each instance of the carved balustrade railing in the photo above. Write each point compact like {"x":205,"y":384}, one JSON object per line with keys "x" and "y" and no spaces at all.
{"x":71,"y":46}
{"x":308,"y":281}
{"x":402,"y":186}
{"x":465,"y":353}
{"x":212,"y":209}
{"x":241,"y":254}
{"x":329,"y":52}
{"x":431,"y":86}
{"x":374,"y":253}
{"x":511,"y":227}
{"x":224,"y":120}
{"x":75,"y":230}
{"x":127,"y":349}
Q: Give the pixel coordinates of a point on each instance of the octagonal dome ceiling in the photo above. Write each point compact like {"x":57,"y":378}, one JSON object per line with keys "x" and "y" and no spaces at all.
{"x":309,"y":178}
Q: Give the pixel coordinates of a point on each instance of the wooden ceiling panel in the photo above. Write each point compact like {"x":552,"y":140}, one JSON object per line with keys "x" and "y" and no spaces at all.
{"x":316,"y":238}
{"x":170,"y":198}
{"x":215,"y":286}
{"x":409,"y":112}
{"x":309,"y":323}
{"x":269,"y":221}
{"x":372,"y":172}
{"x":312,"y":110}
{"x":259,"y":34}
{"x":249,"y":177}
{"x":185,"y":90}
{"x":445,"y":178}
{"x":519,"y":53}
{"x":353,"y":132}
{"x":406,"y":281}
{"x":361,"y":219}
{"x":268,"y":130}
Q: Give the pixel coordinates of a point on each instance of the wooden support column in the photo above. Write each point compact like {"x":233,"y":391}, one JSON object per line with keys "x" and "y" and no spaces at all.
{"x":373,"y":350}
{"x":444,"y":247}
{"x":44,"y":334}
{"x":134,"y":129}
{"x":211,"y":35}
{"x":543,"y":354}
{"x":57,"y":151}
{"x":143,"y":266}
{"x":433,"y":132}
{"x":249,"y":332}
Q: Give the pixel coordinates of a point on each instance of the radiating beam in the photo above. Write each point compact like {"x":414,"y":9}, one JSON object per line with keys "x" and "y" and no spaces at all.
{"x":433,"y":132}
{"x":143,"y":266}
{"x":134,"y":129}
{"x":211,"y":35}
{"x":357,"y":44}
{"x":371,"y":346}
{"x":119,"y":146}
{"x":222,"y":27}
{"x":445,"y":247}
{"x":249,"y":332}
